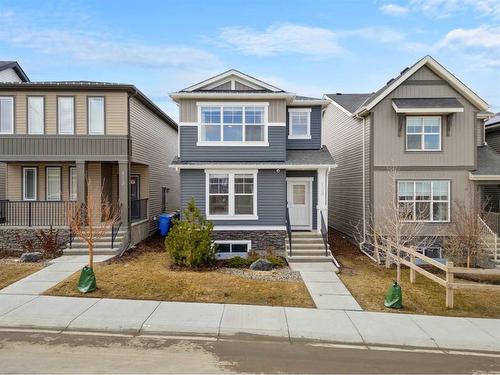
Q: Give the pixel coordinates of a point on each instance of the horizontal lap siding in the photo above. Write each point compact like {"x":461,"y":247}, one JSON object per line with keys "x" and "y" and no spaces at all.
{"x":271,"y":196}
{"x":343,"y":135}
{"x":306,"y":144}
{"x":314,"y":175}
{"x":154,"y":143}
{"x":190,"y":152}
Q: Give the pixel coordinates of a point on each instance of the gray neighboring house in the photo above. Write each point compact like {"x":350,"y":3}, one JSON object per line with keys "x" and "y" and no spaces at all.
{"x":61,"y":140}
{"x":253,"y":158}
{"x":427,"y":126}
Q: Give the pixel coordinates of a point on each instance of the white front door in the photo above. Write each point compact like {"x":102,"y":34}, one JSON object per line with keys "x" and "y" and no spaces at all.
{"x":299,"y":203}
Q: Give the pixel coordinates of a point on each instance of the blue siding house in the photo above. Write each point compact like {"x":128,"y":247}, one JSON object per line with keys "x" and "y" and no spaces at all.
{"x":252,"y":157}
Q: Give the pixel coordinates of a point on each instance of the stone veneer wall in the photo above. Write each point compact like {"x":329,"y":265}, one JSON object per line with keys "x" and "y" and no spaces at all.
{"x":12,"y":238}
{"x":262,"y":240}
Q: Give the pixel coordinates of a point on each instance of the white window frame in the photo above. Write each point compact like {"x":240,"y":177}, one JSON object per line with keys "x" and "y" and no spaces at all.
{"x":30,"y":130}
{"x":291,"y":111}
{"x":89,"y":117}
{"x":231,"y":205}
{"x":232,"y":254}
{"x":59,"y":198}
{"x":12,"y":126}
{"x":59,"y":117}
{"x":422,"y":135}
{"x":221,"y":106}
{"x":24,"y":183}
{"x":73,"y":195}
{"x":431,"y":200}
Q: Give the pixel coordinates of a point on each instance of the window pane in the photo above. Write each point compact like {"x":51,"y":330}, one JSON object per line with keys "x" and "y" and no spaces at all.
{"x":35,"y":115}
{"x":440,"y":190}
{"x":210,"y":115}
{"x":423,"y":190}
{"x":66,"y":115}
{"x":6,"y":115}
{"x":233,"y":115}
{"x":239,"y":247}
{"x":254,"y":115}
{"x":406,"y":191}
{"x":211,"y":132}
{"x":413,"y":142}
{"x":440,"y":212}
{"x":254,"y":132}
{"x":413,"y":124}
{"x":299,"y":194}
{"x":243,"y":184}
{"x":96,"y":115}
{"x":233,"y":132}
{"x":29,"y":184}
{"x":432,"y":124}
{"x":406,"y":210}
{"x":299,"y":123}
{"x":423,"y":210}
{"x":72,"y":184}
{"x":223,"y":248}
{"x":431,"y":142}
{"x":53,"y":184}
{"x":219,"y":184}
{"x":219,"y":205}
{"x":243,"y":204}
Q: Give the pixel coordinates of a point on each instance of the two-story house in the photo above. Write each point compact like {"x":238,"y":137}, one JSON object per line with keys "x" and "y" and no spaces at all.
{"x":62,"y":142}
{"x":252,"y":157}
{"x":417,"y":143}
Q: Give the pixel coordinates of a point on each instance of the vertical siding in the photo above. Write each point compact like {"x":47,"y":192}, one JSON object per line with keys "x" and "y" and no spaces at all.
{"x":154,"y":143}
{"x":343,"y":135}
{"x":3,"y":180}
{"x":314,"y":175}
{"x":9,"y":75}
{"x":493,"y":139}
{"x":306,"y":144}
{"x":271,"y":196}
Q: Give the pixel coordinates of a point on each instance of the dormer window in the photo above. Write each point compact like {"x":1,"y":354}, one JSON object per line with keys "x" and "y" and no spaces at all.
{"x":423,"y":133}
{"x":299,"y":123}
{"x":232,"y":124}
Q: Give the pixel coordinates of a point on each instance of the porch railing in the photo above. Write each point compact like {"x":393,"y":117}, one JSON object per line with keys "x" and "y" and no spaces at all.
{"x":289,"y":232}
{"x":138,"y":209}
{"x":35,"y":213}
{"x":489,"y":238}
{"x":492,"y":219}
{"x":324,"y":233}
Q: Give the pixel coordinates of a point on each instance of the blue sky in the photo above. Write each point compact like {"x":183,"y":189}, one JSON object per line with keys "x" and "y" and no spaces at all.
{"x":308,"y":47}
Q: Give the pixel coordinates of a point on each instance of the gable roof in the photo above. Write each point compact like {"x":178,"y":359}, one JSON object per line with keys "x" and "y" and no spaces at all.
{"x":349,"y":102}
{"x":434,"y":66}
{"x":17,"y":68}
{"x":231,"y":75}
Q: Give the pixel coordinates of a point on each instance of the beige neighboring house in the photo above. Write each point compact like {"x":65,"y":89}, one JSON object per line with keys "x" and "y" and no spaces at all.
{"x":426,"y":125}
{"x":61,"y":140}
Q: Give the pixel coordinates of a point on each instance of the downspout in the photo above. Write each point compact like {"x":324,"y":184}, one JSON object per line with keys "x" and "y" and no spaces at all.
{"x":364,"y":179}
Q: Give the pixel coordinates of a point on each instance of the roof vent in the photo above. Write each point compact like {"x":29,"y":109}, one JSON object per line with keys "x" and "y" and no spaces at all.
{"x":390,"y":81}
{"x":404,"y":71}
{"x":339,"y":93}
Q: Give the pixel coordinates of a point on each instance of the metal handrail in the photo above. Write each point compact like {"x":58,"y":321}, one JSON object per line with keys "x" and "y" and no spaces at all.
{"x":324,"y":233}
{"x":289,"y":231}
{"x":115,"y":228}
{"x":493,"y":235}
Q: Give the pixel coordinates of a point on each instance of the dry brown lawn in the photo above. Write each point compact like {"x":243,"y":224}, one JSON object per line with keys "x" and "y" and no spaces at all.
{"x":369,"y":282}
{"x":145,"y":273}
{"x":11,"y":271}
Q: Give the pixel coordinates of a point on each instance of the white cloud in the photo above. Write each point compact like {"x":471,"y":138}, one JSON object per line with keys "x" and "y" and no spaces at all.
{"x":446,"y":8}
{"x":83,"y":45}
{"x":394,"y":9}
{"x":481,"y":37}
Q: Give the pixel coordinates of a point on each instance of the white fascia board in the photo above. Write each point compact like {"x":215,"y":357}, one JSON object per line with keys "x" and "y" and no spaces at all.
{"x":334,"y":103}
{"x":486,"y":177}
{"x":252,"y":166}
{"x":440,"y":71}
{"x":320,"y":102}
{"x":492,"y":127}
{"x":426,"y":110}
{"x":231,"y":95}
{"x":248,"y":227}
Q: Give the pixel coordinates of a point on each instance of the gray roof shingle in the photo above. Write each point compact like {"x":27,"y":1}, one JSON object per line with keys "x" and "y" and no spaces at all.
{"x":495,"y":120}
{"x":350,"y":102}
{"x":488,"y":162}
{"x":427,"y":103}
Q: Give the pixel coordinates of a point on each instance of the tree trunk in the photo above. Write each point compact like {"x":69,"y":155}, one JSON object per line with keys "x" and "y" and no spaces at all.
{"x":398,"y":268}
{"x":91,"y":255}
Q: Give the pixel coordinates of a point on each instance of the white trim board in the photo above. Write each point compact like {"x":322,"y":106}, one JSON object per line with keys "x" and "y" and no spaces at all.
{"x":253,"y":166}
{"x":426,"y":110}
{"x":248,"y":228}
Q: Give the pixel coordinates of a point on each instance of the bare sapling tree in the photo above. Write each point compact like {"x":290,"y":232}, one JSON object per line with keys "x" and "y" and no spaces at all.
{"x":398,"y":221}
{"x":468,"y":242}
{"x":93,"y":219}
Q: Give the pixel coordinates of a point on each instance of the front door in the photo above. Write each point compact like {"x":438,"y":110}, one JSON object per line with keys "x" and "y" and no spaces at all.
{"x":299,"y":203}
{"x":135,"y":196}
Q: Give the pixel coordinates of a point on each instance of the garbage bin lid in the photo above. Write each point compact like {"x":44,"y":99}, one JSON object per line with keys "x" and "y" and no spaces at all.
{"x":166,"y":216}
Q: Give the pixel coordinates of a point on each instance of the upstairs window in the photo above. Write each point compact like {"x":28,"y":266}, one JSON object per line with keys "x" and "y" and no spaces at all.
{"x":231,"y":124}
{"x":299,"y":123}
{"x":96,"y":115}
{"x":66,"y":114}
{"x":427,"y":201}
{"x":423,"y":133}
{"x":35,"y":115}
{"x":6,"y":115}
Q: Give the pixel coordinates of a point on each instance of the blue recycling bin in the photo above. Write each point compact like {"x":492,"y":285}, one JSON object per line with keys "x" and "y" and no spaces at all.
{"x":165,"y":223}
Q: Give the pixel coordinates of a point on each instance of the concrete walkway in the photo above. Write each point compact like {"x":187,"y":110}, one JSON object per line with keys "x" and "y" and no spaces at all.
{"x":57,"y":270}
{"x":325,"y":287}
{"x":244,"y":321}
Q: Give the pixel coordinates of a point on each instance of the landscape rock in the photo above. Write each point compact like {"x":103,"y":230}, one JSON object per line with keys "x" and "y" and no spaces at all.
{"x":34,"y":256}
{"x":261,"y":265}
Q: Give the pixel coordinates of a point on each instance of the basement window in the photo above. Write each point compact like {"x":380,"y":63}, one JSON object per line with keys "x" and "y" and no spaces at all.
{"x":230,"y":249}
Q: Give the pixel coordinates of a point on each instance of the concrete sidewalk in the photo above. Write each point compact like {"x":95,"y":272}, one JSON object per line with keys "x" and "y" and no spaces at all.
{"x":269,"y":323}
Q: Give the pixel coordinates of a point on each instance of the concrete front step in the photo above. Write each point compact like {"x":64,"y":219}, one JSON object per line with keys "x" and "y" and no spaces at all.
{"x":300,"y":240}
{"x":79,"y":245}
{"x":309,"y":259}
{"x":305,"y":245}
{"x":106,"y":251}
{"x":301,"y":252}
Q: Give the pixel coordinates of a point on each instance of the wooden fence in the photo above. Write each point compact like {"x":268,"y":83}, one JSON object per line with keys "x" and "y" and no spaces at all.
{"x":408,"y":257}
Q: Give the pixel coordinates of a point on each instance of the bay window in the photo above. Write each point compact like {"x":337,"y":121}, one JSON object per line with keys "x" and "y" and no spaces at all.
{"x":427,"y":201}
{"x":232,"y":124}
{"x":6,"y":115}
{"x":423,"y":133}
{"x":36,"y":115}
{"x":299,"y":126}
{"x":53,"y":183}
{"x":30,"y":184}
{"x":231,"y":195}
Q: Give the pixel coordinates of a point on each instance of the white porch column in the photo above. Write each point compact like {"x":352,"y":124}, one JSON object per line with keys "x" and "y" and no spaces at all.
{"x":322,"y":206}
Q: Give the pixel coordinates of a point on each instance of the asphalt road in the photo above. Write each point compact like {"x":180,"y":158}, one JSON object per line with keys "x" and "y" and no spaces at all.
{"x":38,"y":352}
